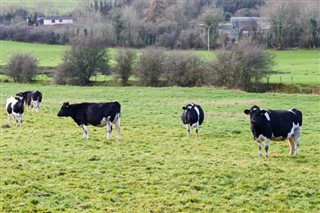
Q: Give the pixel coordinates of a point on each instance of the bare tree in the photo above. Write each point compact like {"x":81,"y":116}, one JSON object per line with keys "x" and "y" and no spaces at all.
{"x":22,"y":67}
{"x":310,"y":24}
{"x":150,"y":66}
{"x":241,"y":66}
{"x":157,"y":11}
{"x":283,"y":18}
{"x":86,"y":57}
{"x":186,"y":70}
{"x":211,"y":18}
{"x":125,"y":60}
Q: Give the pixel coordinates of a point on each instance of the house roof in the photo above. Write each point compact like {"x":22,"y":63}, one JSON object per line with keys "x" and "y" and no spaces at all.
{"x":54,"y":17}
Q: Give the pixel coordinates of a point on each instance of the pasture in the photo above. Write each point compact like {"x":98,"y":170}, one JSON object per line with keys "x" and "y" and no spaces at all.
{"x":52,"y":7}
{"x":291,"y":67}
{"x":46,"y":166}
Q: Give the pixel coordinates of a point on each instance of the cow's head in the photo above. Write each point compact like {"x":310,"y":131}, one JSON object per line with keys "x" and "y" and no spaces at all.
{"x":189,"y":113}
{"x":256,"y":115}
{"x":23,"y":94}
{"x":65,"y":110}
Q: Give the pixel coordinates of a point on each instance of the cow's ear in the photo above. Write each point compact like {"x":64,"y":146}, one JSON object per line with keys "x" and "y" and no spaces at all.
{"x":184,"y":108}
{"x":262,"y":112}
{"x":66,"y":104}
{"x":246,"y":111}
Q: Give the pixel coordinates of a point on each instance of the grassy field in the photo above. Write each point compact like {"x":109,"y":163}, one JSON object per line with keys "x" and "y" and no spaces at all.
{"x":52,"y":7}
{"x":292,"y":67}
{"x":297,"y":66}
{"x":46,"y":166}
{"x":47,"y":55}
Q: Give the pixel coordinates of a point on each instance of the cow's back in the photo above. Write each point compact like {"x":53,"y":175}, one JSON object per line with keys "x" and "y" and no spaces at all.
{"x":96,"y":112}
{"x":298,"y":116}
{"x":37,"y":96}
{"x":282,"y":121}
{"x":201,"y":114}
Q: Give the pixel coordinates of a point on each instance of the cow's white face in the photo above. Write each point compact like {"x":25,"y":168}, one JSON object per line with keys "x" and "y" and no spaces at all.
{"x":257,"y":115}
{"x":189,"y":113}
{"x":19,"y":101}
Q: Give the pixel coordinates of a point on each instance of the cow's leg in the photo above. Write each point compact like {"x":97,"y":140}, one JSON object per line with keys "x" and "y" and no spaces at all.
{"x":260,"y":148}
{"x":197,"y":128}
{"x":20,"y":119}
{"x":38,"y":106}
{"x":117,"y":123}
{"x":85,"y":131}
{"x":291,"y":144}
{"x":297,"y":139}
{"x":109,"y":126}
{"x":188,"y":129}
{"x":15,"y":118}
{"x":9,"y":120}
{"x":266,"y":146}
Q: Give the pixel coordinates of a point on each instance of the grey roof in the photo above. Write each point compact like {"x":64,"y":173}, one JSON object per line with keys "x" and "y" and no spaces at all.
{"x":54,"y":17}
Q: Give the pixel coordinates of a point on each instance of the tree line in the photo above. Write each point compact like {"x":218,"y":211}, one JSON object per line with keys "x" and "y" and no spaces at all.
{"x":170,"y":23}
{"x":240,"y":67}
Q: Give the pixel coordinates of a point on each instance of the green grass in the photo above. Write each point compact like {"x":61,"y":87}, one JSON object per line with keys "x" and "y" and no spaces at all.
{"x":297,"y":66}
{"x":47,"y":55}
{"x":52,"y":7}
{"x":46,"y":166}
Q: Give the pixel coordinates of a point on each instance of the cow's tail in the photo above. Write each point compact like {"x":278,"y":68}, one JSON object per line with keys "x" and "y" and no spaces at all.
{"x":118,"y":106}
{"x":40,"y":98}
{"x":299,"y":116}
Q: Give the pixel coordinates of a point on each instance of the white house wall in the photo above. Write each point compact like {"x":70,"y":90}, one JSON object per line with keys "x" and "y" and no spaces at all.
{"x":56,"y":22}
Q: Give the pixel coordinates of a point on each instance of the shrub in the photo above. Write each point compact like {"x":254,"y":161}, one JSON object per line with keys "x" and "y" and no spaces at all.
{"x":86,"y":57}
{"x":22,"y":67}
{"x":185,"y":70}
{"x":63,"y":75}
{"x":125,"y":61}
{"x":150,"y":66}
{"x":189,"y":38}
{"x":241,"y":66}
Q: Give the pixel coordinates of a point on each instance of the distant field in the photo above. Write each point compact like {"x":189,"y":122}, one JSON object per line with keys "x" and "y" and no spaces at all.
{"x":294,"y":66}
{"x":47,"y":55}
{"x":46,"y":166}
{"x":297,"y":66}
{"x":52,"y":7}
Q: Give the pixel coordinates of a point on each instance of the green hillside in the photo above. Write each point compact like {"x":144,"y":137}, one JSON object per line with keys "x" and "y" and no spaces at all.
{"x":52,"y":7}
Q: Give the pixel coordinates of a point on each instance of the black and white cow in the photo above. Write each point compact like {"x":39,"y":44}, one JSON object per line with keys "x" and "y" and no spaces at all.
{"x":192,"y":116}
{"x":275,"y":125}
{"x":96,"y":114}
{"x":33,"y":99}
{"x":15,"y":108}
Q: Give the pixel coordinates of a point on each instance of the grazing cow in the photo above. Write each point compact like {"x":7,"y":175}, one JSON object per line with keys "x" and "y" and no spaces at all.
{"x":277,"y":125}
{"x":32,"y":99}
{"x":192,"y":116}
{"x":96,"y":114}
{"x":14,"y":107}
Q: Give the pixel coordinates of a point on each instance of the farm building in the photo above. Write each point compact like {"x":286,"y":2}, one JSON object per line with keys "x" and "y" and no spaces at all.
{"x":54,"y":20}
{"x":245,"y":26}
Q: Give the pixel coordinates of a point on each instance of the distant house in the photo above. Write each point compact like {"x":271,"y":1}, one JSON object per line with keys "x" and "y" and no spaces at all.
{"x":228,"y":30}
{"x":54,"y":20}
{"x":250,"y":23}
{"x":244,"y":26}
